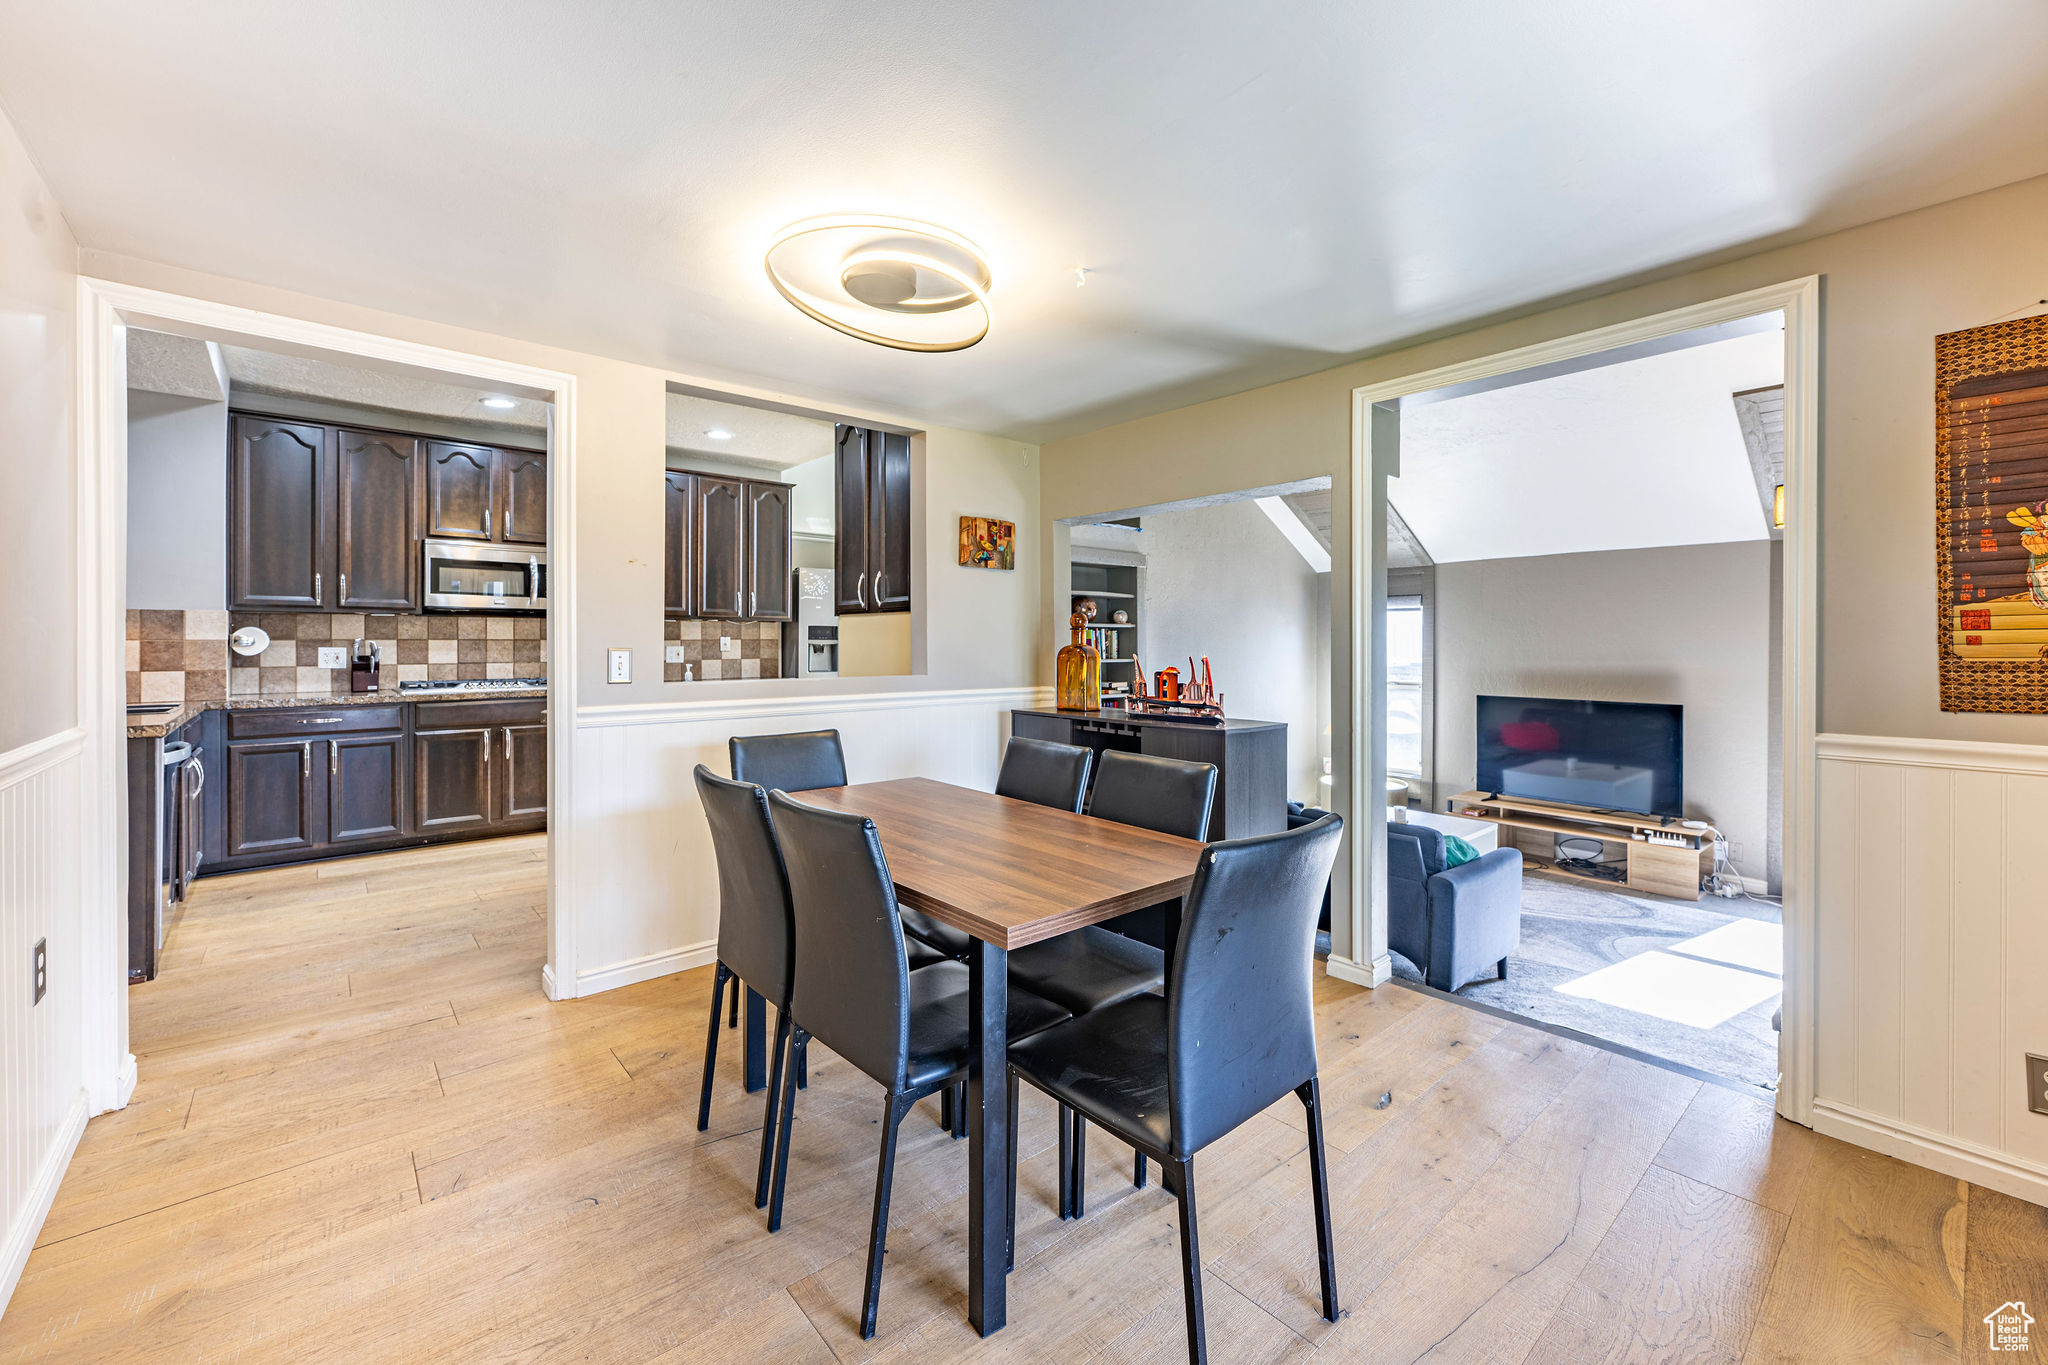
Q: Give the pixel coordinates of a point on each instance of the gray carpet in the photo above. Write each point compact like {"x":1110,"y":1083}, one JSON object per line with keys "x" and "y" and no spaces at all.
{"x":1571,"y":929}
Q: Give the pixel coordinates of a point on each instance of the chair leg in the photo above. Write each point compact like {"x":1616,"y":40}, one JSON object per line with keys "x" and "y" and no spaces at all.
{"x":1066,"y":1127}
{"x":1503,"y":969}
{"x":719,"y":977}
{"x":1190,"y":1262}
{"x":798,"y":1040}
{"x":1311,"y":1093}
{"x":1138,"y":1169}
{"x":946,"y":1109}
{"x":959,"y":1111}
{"x":1010,"y":1226}
{"x":803,"y":1071}
{"x":1080,"y":1192}
{"x":768,"y":1117}
{"x":885,"y":1175}
{"x":734,"y":1022}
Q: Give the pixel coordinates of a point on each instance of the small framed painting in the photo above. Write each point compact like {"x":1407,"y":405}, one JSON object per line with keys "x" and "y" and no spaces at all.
{"x":986,"y":543}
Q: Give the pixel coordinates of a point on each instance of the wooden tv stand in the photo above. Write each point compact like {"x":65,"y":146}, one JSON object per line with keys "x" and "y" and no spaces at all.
{"x":1660,"y":869}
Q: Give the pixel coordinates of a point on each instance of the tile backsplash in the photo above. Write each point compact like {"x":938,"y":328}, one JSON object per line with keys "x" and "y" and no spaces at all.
{"x":439,"y":647}
{"x":760,"y":650}
{"x":177,"y":656}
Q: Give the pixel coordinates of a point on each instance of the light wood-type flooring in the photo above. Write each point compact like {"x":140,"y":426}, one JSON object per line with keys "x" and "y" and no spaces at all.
{"x":362,"y":1134}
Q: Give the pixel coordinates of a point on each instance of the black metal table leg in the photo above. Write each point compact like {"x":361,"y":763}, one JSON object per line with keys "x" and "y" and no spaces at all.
{"x":756,"y":1073}
{"x":988,"y":1143}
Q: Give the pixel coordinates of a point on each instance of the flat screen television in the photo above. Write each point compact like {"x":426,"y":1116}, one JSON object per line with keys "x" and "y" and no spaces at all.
{"x":1603,"y":755}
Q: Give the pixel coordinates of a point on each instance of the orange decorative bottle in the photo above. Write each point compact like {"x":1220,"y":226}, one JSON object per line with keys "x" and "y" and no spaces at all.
{"x":1080,"y":671}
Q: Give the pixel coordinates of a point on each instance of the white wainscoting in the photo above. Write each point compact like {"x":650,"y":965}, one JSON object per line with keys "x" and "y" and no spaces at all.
{"x":1931,"y":934}
{"x":42,"y":1090}
{"x":646,"y":882}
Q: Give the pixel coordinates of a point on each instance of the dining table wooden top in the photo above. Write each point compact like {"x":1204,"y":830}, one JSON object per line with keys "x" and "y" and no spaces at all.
{"x":1012,"y":872}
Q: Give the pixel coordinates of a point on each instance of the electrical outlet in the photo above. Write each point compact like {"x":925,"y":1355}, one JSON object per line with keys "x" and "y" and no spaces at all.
{"x":621,"y":666}
{"x":1735,"y":852}
{"x":42,"y":971}
{"x":673,"y":654}
{"x":728,"y":647}
{"x":2037,"y":1083}
{"x":333,"y":656}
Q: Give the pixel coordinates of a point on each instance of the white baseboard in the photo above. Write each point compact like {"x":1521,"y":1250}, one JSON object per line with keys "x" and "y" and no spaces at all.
{"x":1377,"y":972}
{"x":28,"y":1220}
{"x":635,"y":970}
{"x":1937,"y":1151}
{"x":548,"y":985}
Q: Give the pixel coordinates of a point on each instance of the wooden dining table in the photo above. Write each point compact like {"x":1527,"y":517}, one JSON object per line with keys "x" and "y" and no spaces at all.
{"x":1008,"y":873}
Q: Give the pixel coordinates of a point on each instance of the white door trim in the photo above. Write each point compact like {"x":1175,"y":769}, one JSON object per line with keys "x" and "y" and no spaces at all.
{"x":1799,"y":299}
{"x":105,"y":310}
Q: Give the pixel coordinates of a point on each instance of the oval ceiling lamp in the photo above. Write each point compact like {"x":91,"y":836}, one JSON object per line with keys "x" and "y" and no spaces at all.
{"x":891,"y":281}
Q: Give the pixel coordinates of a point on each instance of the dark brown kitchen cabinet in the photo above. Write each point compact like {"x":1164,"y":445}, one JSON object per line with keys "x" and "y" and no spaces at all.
{"x":461,"y":482}
{"x":273,"y":805}
{"x":281,"y":518}
{"x":679,"y":491}
{"x":365,"y":788}
{"x":377,"y":524}
{"x":452,"y":779}
{"x":520,"y":774}
{"x":483,"y":493}
{"x":721,"y":547}
{"x":522,"y":497}
{"x":871,"y":553}
{"x":767,"y":552}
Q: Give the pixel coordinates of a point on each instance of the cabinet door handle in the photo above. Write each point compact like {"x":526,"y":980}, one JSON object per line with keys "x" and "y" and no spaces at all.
{"x":861,"y":588}
{"x":487,"y":523}
{"x":316,"y":588}
{"x":306,"y":757}
{"x":508,"y":758}
{"x":753,"y":602}
{"x":341,"y":598}
{"x":333,"y":759}
{"x":735,"y":601}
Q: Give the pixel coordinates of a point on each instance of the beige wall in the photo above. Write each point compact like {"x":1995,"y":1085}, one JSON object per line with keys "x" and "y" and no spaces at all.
{"x":1688,"y":624}
{"x":38,"y":577}
{"x":177,"y":503}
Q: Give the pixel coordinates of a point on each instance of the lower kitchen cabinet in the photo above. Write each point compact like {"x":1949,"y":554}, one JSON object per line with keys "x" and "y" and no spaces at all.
{"x":315,"y":782}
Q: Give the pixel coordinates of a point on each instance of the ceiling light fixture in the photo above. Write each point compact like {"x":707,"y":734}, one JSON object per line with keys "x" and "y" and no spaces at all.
{"x":891,"y":281}
{"x":501,"y":402}
{"x":719,"y":434}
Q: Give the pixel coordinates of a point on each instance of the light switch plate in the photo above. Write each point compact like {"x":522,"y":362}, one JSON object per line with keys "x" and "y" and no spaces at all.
{"x":2037,"y":1083}
{"x":672,"y":654}
{"x":728,"y":647}
{"x":621,"y":670}
{"x":334,"y":656}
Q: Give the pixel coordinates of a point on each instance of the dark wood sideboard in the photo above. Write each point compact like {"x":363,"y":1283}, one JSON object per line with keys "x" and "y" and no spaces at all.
{"x":1250,"y":758}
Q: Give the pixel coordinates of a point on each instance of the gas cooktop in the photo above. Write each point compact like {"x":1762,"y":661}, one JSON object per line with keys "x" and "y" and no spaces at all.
{"x":474,"y":685}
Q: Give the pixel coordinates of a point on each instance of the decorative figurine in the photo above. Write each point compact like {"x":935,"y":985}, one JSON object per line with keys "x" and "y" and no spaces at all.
{"x":1122,"y":618}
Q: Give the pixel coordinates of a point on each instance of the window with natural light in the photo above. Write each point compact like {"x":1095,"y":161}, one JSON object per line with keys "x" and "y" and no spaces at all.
{"x":1404,"y":686}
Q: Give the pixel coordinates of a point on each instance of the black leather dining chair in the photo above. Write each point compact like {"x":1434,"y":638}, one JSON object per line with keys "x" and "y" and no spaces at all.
{"x":1094,"y":967}
{"x":1234,"y":1032}
{"x":755,"y":938}
{"x":854,"y":993}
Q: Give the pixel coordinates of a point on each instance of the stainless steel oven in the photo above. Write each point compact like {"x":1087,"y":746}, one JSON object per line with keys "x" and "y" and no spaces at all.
{"x":468,"y":575}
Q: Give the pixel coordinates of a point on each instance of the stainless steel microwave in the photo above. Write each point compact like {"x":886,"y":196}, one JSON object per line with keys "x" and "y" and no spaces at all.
{"x":471,"y":575}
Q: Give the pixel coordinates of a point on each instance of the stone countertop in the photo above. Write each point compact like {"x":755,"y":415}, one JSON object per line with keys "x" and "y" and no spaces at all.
{"x":156,"y":726}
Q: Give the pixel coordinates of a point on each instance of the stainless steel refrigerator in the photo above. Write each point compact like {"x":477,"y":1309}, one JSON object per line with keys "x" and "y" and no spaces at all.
{"x":810,"y":644}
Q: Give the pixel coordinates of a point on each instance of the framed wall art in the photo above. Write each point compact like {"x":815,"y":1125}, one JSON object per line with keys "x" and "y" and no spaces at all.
{"x":986,"y":543}
{"x":1991,"y":516}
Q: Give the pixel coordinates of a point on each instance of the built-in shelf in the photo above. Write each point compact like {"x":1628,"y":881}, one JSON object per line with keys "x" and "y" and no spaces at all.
{"x":1100,"y":592}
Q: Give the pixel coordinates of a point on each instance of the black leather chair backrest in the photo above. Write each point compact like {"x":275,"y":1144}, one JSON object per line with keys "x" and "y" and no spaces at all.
{"x":852,"y":985}
{"x":1240,"y":1020}
{"x":1170,"y":795}
{"x":791,"y":763}
{"x":754,"y":933}
{"x":1045,"y":773}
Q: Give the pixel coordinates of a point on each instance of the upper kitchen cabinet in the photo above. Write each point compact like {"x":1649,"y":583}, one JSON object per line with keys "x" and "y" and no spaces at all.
{"x":461,"y":486}
{"x":522,"y":497}
{"x":281,"y":517}
{"x":769,"y":585}
{"x":377,"y":527}
{"x":678,"y":495}
{"x":721,"y":558}
{"x":872,"y":507}
{"x":483,"y":493}
{"x":727,"y":553}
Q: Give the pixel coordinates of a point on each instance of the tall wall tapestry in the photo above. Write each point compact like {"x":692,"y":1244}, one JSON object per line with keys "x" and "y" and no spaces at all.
{"x":1991,"y":516}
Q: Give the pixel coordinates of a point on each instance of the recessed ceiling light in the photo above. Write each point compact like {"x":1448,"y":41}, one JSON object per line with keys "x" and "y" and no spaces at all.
{"x":501,"y":402}
{"x":891,"y":281}
{"x":719,"y":434}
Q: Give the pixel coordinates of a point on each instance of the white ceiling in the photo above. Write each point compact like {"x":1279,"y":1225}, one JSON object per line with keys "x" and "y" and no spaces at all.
{"x":760,"y":437}
{"x":254,"y":371}
{"x":1258,"y":191}
{"x":1643,"y":453}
